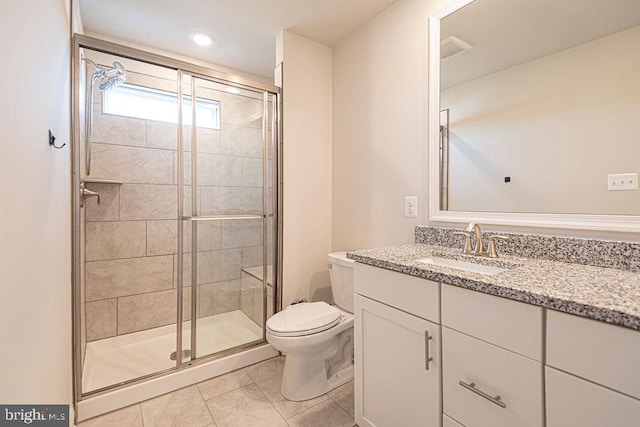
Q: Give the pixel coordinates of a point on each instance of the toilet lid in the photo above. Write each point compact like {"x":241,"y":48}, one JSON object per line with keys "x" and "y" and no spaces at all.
{"x":304,"y":319}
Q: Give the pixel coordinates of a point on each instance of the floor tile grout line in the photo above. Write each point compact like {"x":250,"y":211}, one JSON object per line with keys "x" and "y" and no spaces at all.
{"x":141,"y":413}
{"x":226,"y":392}
{"x":213,"y":419}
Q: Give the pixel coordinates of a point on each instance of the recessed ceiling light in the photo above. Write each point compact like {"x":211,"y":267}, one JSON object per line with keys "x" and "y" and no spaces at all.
{"x":201,"y":39}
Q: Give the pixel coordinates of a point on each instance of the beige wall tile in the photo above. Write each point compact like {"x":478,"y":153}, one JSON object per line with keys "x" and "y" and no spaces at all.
{"x":217,"y":266}
{"x":115,"y":240}
{"x":220,"y":297}
{"x":241,"y":141}
{"x":241,"y":110}
{"x":146,"y":201}
{"x":231,"y":200}
{"x":252,"y":172}
{"x":213,"y":169}
{"x":132,"y":164}
{"x":208,"y":141}
{"x":109,"y":207}
{"x":252,"y":256}
{"x":168,"y":84}
{"x":162,"y":135}
{"x":101,"y":319}
{"x":209,"y":235}
{"x":116,"y":278}
{"x":242,"y":233}
{"x":162,"y":237}
{"x":150,"y":310}
{"x":119,"y":130}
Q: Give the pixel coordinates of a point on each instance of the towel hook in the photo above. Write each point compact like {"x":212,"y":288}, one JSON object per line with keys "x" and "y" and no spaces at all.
{"x":52,"y":141}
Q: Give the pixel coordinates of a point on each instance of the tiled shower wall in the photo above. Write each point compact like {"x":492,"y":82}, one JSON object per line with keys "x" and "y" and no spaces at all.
{"x":131,"y":238}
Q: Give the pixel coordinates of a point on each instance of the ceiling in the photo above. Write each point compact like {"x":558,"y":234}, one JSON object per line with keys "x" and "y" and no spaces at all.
{"x":505,"y":33}
{"x":244,"y":30}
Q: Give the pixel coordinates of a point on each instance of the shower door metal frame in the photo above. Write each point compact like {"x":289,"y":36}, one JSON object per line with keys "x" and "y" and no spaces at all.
{"x":81,"y":41}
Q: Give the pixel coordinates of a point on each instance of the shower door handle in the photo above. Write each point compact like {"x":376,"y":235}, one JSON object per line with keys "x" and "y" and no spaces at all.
{"x":85,"y":194}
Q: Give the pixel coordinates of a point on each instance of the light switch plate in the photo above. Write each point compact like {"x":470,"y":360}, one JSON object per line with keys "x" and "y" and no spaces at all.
{"x":622,"y":181}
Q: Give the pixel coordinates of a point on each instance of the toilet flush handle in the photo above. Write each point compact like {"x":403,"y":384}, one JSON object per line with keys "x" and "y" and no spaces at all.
{"x":329,"y":266}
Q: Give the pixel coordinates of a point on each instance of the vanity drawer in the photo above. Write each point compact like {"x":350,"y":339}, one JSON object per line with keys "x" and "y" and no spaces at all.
{"x":494,"y":371}
{"x":513,"y":325}
{"x":600,"y":352}
{"x":420,"y":297}
{"x":572,"y":401}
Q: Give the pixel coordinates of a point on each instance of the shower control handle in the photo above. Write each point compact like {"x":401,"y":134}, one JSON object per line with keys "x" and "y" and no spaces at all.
{"x":85,"y":194}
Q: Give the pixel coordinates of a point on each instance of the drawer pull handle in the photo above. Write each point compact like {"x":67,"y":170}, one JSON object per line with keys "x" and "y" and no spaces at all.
{"x":472,"y":387}
{"x":427,"y":357}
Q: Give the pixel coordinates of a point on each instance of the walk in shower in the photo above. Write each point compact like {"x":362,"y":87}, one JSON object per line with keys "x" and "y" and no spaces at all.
{"x":176,"y":220}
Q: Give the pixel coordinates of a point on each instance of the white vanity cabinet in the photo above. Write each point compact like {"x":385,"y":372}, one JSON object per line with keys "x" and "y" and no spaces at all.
{"x":430,"y":354}
{"x":592,"y":373}
{"x":397,"y":349}
{"x":492,"y":371}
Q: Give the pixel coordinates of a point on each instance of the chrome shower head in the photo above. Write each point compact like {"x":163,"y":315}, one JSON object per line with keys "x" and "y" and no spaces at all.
{"x":108,"y":78}
{"x":104,"y":79}
{"x":109,"y":82}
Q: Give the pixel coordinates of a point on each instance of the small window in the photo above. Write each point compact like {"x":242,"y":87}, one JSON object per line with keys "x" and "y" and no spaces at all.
{"x":151,"y":104}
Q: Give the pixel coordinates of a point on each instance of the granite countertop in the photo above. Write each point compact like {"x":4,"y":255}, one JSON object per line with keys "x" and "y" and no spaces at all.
{"x":605,"y":294}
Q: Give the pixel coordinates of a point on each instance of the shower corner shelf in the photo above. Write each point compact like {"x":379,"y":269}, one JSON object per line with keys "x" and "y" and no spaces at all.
{"x":102,"y":181}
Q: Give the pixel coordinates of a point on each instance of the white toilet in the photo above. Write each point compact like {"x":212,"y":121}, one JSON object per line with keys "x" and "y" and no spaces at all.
{"x":317,"y":338}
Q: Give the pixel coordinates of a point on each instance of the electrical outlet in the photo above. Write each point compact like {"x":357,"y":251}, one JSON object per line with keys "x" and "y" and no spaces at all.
{"x":411,"y":206}
{"x":622,"y":182}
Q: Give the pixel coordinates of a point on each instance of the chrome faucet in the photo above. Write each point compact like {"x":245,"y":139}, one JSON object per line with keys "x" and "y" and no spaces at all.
{"x":477,"y":248}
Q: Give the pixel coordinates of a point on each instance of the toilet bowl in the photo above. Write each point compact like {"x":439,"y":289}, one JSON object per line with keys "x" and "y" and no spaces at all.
{"x":317,"y":338}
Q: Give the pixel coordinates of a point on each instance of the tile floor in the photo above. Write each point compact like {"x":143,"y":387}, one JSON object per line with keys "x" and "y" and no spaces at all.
{"x":248,"y":397}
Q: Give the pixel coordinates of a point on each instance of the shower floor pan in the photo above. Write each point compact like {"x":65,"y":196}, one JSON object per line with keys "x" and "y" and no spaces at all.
{"x":114,"y":360}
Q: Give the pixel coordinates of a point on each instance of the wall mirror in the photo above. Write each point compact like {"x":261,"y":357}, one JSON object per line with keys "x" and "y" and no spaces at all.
{"x":534,"y":113}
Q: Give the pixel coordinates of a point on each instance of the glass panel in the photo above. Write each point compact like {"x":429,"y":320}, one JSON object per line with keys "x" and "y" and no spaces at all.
{"x":131,"y":237}
{"x":229,"y":182}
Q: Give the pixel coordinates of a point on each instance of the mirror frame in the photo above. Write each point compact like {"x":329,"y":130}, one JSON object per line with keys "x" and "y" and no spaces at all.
{"x":615,"y":223}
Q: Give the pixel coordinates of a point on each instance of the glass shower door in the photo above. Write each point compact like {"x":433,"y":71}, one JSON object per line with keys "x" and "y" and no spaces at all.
{"x":128,"y":290}
{"x":227,"y":222}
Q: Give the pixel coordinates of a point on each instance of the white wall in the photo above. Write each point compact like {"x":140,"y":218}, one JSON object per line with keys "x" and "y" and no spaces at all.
{"x":307,"y":166}
{"x":35,"y":218}
{"x":380,"y":127}
{"x":557,"y":126}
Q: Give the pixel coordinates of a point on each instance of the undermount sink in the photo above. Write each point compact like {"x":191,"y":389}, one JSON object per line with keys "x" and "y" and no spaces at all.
{"x":472,"y":267}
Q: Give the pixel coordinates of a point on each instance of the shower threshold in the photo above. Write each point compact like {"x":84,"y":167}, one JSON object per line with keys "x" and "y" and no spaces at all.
{"x":114,"y":360}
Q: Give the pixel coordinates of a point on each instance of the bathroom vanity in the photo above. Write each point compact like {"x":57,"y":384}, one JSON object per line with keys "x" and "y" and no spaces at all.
{"x":532,"y":343}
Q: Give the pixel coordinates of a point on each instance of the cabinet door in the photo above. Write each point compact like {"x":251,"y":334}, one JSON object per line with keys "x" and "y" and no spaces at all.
{"x":572,"y":401}
{"x":395,"y":383}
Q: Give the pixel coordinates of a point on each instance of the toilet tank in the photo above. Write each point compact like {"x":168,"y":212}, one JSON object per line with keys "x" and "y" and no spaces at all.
{"x":341,"y":273}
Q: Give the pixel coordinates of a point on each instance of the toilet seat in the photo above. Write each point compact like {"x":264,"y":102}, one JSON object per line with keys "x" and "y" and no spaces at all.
{"x":304,"y":319}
